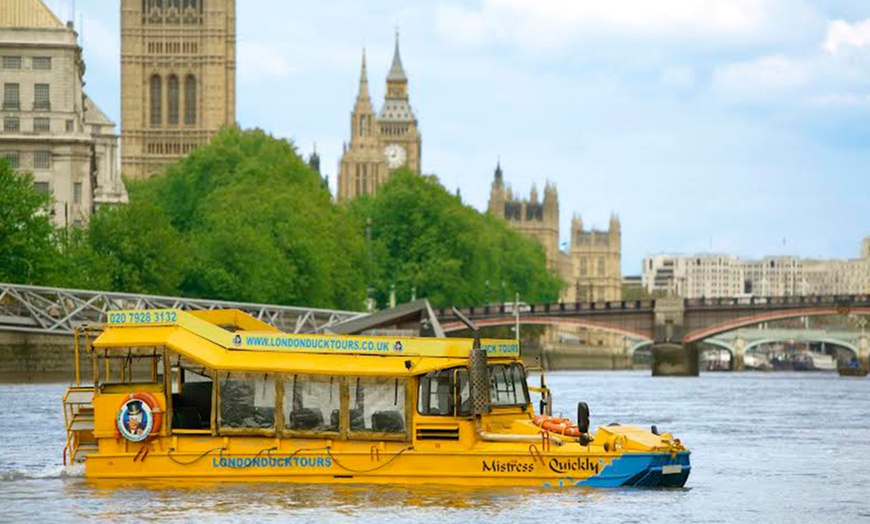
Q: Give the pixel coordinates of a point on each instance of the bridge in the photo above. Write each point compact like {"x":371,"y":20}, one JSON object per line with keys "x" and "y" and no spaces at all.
{"x":57,"y":311}
{"x":673,"y":326}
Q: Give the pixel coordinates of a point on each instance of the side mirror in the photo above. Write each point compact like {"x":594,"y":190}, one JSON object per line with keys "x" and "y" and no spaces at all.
{"x":583,"y":417}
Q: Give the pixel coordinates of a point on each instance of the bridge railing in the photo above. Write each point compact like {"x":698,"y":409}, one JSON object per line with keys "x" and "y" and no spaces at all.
{"x":559,"y":308}
{"x":842,"y":301}
{"x":39,"y":309}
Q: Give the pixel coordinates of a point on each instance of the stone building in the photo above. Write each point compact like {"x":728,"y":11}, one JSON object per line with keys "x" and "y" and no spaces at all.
{"x":178,"y":79}
{"x":591,"y":267}
{"x":381,"y":142}
{"x":594,"y":263}
{"x":535,"y":218}
{"x":50,"y":127}
{"x":713,"y":276}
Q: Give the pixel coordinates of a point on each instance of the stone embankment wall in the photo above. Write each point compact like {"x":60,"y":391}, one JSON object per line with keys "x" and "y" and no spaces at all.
{"x":27,"y":357}
{"x":574,"y":357}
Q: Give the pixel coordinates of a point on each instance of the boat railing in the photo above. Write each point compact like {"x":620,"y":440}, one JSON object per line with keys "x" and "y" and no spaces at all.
{"x":78,"y":414}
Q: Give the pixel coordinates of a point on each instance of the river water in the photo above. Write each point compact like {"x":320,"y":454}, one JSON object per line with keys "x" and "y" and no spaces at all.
{"x":774,"y":447}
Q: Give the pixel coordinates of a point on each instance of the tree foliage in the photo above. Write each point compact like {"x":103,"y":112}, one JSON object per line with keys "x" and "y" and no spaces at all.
{"x":259,"y":225}
{"x":245,"y":219}
{"x":27,"y":248}
{"x":425,"y":240}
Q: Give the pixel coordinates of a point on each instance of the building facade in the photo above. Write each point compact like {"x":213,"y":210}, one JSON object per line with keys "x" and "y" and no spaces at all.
{"x":591,"y":267}
{"x":713,"y":276}
{"x":532,"y":217}
{"x":178,"y":79}
{"x":594,"y":263}
{"x":49,"y":126}
{"x":380,"y":143}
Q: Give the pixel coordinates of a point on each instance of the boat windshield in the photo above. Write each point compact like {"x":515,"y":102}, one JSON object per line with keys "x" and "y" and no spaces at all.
{"x":507,"y":385}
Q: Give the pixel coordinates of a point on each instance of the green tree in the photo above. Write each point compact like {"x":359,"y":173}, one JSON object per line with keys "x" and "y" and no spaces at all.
{"x":26,"y":233}
{"x":259,"y":225}
{"x":424,"y":238}
{"x":136,"y":249}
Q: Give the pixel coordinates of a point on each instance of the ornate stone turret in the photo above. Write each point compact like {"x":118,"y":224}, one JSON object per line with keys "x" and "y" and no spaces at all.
{"x":314,"y":160}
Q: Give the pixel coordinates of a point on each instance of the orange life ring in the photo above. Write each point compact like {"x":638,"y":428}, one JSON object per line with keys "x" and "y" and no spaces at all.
{"x":557,"y":425}
{"x":139,"y":417}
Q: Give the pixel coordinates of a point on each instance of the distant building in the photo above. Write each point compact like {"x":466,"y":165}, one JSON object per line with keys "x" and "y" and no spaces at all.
{"x":696,"y":276}
{"x":591,"y":267}
{"x":178,"y":79}
{"x":594,"y":263}
{"x":379,"y":143}
{"x":50,"y":127}
{"x":538,"y":219}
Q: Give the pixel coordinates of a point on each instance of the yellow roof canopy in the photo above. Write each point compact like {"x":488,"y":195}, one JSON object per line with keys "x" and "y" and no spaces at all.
{"x":201,"y":337}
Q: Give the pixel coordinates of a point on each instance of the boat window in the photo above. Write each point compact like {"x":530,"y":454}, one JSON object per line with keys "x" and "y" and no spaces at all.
{"x":312,"y":403}
{"x":507,"y":385}
{"x":191,"y":395}
{"x":436,"y":393}
{"x":134,"y":365}
{"x":463,"y":390}
{"x":377,"y":405}
{"x":247,"y":401}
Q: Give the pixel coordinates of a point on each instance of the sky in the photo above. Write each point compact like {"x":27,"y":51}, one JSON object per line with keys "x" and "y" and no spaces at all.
{"x":708,"y":126}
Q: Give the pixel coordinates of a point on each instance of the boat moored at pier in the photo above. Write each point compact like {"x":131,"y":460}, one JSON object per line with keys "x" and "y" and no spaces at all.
{"x":219,"y":395}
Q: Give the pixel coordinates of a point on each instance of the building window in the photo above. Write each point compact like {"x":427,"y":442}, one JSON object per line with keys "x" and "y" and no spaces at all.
{"x":11,"y":62}
{"x":190,"y":100}
{"x":584,"y":269}
{"x":13,"y":158}
{"x":601,"y":266}
{"x":77,"y":193}
{"x":42,"y":187}
{"x":41,"y":125}
{"x":174,"y":100}
{"x":42,"y":160}
{"x":70,"y":126}
{"x":11,"y":123}
{"x":42,"y":63}
{"x":11,"y":100}
{"x":41,"y":97}
{"x":156,"y":100}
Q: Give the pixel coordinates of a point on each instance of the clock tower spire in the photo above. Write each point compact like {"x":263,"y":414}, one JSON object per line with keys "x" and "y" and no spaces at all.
{"x":402,"y":141}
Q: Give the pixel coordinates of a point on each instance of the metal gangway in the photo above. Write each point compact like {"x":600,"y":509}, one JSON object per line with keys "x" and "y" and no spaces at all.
{"x":47,"y":310}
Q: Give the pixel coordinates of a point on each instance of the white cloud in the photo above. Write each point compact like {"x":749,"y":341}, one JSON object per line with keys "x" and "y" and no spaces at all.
{"x":256,"y":61}
{"x":677,"y":78}
{"x":762,"y":76}
{"x":546,"y":23}
{"x":840,"y":100}
{"x":843,"y":34}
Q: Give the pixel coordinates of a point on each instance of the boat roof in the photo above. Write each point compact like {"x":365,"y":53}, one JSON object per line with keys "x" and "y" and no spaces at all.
{"x":232,"y":340}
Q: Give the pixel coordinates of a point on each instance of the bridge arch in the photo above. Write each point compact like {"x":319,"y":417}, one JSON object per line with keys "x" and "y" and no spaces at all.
{"x":698,"y":335}
{"x":547,"y":321}
{"x":827,"y":340}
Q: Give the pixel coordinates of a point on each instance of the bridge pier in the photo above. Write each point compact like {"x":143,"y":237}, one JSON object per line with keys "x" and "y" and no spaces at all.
{"x":675,"y":360}
{"x":738,"y":361}
{"x":864,"y":353}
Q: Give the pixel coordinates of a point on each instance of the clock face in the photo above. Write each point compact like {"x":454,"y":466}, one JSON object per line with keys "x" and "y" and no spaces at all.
{"x":395,"y":156}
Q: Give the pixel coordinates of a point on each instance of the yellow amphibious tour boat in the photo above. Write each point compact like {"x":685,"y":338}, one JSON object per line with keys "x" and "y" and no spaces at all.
{"x":220,"y":395}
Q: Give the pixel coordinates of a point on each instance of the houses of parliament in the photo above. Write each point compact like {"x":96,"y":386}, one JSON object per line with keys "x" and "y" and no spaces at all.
{"x":380,"y":143}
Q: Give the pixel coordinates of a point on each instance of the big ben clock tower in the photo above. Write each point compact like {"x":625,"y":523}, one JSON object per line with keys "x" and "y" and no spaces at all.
{"x":382,"y":143}
{"x":398,"y":124}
